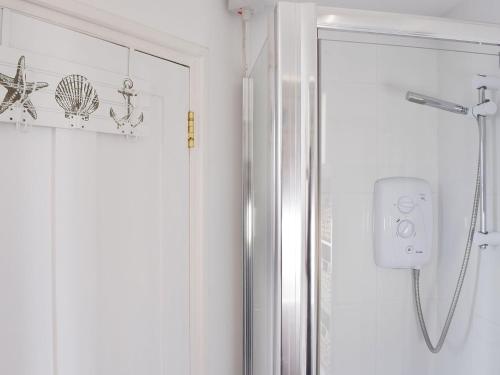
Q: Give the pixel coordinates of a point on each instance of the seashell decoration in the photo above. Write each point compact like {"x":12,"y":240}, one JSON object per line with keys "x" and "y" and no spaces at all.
{"x":76,"y":95}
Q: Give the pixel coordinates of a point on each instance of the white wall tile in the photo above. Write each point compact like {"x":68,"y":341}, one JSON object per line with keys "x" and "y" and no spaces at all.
{"x":466,"y":350}
{"x":406,"y":68}
{"x":348,"y":62}
{"x":354,"y":272}
{"x":370,"y":132}
{"x":354,"y":340}
{"x":349,"y":135}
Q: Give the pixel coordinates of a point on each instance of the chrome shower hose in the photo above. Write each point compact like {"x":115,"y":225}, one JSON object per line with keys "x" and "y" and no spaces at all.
{"x":460,"y":281}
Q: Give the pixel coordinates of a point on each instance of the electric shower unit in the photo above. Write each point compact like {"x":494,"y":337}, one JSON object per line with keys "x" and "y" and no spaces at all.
{"x":402,"y":213}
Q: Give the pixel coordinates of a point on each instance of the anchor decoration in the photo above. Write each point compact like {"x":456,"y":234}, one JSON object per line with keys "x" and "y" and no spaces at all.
{"x":19,"y":90}
{"x":128,"y":120}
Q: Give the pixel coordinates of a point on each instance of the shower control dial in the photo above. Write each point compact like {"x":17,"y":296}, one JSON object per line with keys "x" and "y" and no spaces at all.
{"x":406,"y":229}
{"x":402,"y":222}
{"x":405,"y":204}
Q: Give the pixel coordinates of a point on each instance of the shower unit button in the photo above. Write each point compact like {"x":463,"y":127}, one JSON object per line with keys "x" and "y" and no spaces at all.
{"x":402,"y":222}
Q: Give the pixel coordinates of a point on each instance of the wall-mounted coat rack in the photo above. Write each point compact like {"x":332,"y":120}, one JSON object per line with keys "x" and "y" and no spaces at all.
{"x":46,"y":91}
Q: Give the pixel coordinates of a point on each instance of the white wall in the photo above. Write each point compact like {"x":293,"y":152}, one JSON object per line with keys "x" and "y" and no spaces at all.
{"x":258,"y":30}
{"x":477,"y":10}
{"x":207,"y":22}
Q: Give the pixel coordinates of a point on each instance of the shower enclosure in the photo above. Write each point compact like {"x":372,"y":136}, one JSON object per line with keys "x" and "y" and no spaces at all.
{"x":326,"y":116}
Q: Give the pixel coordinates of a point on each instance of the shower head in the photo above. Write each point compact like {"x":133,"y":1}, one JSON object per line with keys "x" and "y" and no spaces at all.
{"x":436,"y":103}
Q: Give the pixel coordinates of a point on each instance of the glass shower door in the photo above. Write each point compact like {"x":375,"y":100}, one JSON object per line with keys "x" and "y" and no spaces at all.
{"x":369,"y":131}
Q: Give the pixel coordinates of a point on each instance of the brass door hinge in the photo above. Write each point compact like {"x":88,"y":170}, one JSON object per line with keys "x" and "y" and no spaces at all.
{"x":190,"y":129}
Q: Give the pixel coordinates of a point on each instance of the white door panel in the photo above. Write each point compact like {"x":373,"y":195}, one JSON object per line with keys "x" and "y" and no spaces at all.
{"x":174,"y":79}
{"x":75,"y":213}
{"x":100,"y":220}
{"x":25,"y":252}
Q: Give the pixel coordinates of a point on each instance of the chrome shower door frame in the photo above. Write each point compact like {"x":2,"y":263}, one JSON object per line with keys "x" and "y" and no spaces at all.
{"x":294,"y":107}
{"x":250,"y":169}
{"x":298,"y":188}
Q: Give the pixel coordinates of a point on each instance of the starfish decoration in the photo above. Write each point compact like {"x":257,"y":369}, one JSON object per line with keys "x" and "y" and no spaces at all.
{"x":18,"y":90}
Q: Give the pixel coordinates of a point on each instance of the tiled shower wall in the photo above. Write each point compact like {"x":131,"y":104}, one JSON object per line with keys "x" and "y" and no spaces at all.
{"x":473,"y":345}
{"x":369,"y":131}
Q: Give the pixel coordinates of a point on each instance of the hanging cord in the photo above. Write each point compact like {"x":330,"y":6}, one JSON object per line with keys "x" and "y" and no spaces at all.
{"x":245,"y":14}
{"x":461,"y":276}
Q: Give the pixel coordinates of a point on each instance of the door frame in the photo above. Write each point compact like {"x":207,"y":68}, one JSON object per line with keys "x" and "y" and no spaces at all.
{"x":103,"y":25}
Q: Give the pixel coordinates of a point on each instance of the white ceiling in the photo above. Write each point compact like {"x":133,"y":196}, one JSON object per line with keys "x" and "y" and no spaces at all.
{"x":424,"y":7}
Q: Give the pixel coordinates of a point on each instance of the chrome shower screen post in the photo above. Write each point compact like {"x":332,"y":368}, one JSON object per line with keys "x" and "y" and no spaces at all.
{"x":296,"y":42}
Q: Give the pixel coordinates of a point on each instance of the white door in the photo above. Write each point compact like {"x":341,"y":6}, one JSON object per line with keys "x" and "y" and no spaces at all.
{"x":94,"y":227}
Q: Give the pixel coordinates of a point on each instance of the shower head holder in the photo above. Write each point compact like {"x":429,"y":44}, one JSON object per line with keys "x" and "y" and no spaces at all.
{"x":485,"y":109}
{"x":480,"y":82}
{"x":487,"y":239}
